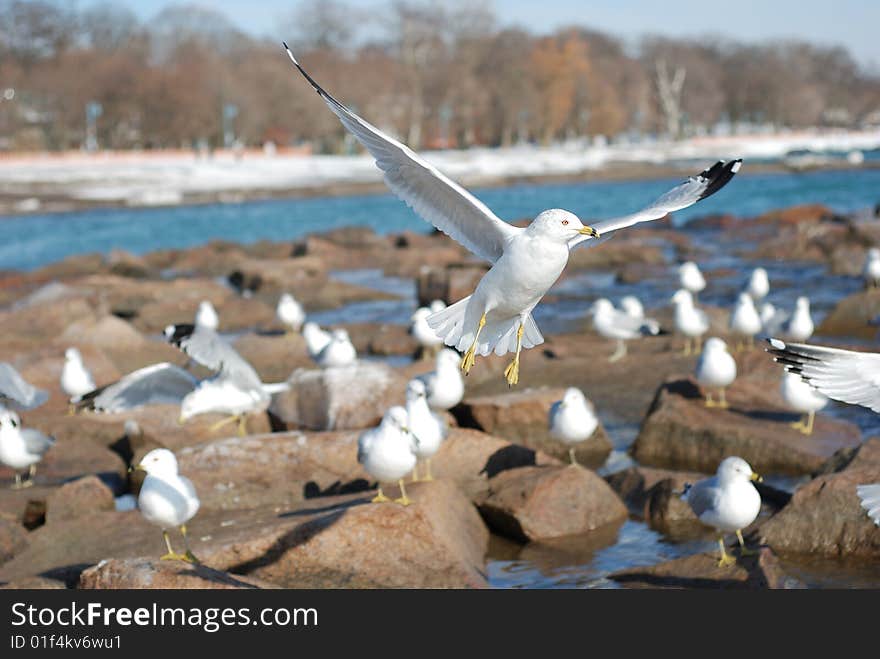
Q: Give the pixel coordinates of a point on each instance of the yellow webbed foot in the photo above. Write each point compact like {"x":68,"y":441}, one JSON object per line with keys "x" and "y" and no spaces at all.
{"x":468,"y":361}
{"x":511,"y":373}
{"x":403,"y":501}
{"x":174,"y":556}
{"x":380,"y":498}
{"x":726,"y":560}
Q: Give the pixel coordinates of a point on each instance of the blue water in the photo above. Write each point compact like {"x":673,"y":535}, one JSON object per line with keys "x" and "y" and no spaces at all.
{"x":31,"y":241}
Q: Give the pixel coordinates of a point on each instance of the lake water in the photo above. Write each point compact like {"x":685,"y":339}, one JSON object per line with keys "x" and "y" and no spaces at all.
{"x":30,"y":241}
{"x":35,"y":240}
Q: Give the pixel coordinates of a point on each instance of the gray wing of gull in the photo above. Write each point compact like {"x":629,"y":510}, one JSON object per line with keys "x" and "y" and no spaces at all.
{"x":687,"y":193}
{"x":14,"y":388}
{"x":36,"y":442}
{"x":870,"y":500}
{"x":703,"y":495}
{"x":207,"y":348}
{"x":151,"y":385}
{"x":844,"y":375}
{"x":431,"y":194}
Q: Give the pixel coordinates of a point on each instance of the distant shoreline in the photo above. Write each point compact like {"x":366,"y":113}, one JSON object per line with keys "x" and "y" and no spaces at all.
{"x":53,"y":200}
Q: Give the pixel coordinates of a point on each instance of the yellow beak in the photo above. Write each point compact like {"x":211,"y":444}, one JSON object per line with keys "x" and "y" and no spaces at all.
{"x":756,"y":477}
{"x":137,"y":467}
{"x":589,"y":231}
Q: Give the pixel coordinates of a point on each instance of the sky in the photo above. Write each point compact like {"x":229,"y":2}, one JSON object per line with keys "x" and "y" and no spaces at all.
{"x":853,"y":23}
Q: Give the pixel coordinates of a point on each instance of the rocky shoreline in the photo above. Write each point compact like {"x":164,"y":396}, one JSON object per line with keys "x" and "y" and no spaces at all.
{"x":287,"y":505}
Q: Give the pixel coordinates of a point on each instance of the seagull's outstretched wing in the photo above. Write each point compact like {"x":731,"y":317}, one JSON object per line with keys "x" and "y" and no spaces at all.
{"x":689,"y":192}
{"x":206,"y":347}
{"x":14,"y":387}
{"x":844,"y":375}
{"x":439,"y":200}
{"x":157,"y":383}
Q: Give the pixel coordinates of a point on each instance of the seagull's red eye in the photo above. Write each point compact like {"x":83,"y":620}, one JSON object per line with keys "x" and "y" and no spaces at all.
{"x":565,"y":222}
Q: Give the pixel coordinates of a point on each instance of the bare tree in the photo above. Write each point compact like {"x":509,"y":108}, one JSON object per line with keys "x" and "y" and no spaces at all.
{"x":669,"y":87}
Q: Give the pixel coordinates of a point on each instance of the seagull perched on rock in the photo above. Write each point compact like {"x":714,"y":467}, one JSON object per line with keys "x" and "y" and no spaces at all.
{"x":428,"y":428}
{"x":316,"y":339}
{"x":759,"y":285}
{"x":716,"y":369}
{"x":388,"y":452}
{"x":76,"y":379}
{"x":525,"y":262}
{"x":338,"y":352}
{"x":803,"y":398}
{"x":21,"y":448}
{"x":728,"y":501}
{"x":745,"y":321}
{"x":616,"y":324}
{"x":290,"y":312}
{"x":444,"y":385}
{"x":167,"y":499}
{"x":689,"y":320}
{"x":572,"y":420}
{"x":427,"y":338}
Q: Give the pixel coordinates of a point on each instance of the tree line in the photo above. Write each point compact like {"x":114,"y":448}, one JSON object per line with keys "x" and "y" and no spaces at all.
{"x":436,"y":75}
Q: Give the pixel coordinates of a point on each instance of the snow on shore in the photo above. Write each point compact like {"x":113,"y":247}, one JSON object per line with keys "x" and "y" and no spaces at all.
{"x":161,"y":178}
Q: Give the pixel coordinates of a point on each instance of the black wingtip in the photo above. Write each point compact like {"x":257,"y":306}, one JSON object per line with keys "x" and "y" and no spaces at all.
{"x":719,"y":175}
{"x":177,"y":333}
{"x":286,"y":47}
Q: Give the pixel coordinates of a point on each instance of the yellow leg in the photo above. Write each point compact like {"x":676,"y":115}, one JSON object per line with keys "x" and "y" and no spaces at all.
{"x":698,"y":345}
{"x":380,"y":498}
{"x":800,"y":424}
{"x":722,"y":401}
{"x":574,"y":462}
{"x":171,"y":555}
{"x":808,"y":430}
{"x":71,"y":409}
{"x":726,"y":559}
{"x":687,"y":347}
{"x":222,"y":423}
{"x":242,"y":425}
{"x":403,"y":500}
{"x":709,"y":401}
{"x":620,"y":353}
{"x":743,"y":550}
{"x":189,"y":556}
{"x":428,"y":476}
{"x":511,"y":373}
{"x":17,"y":484}
{"x":469,"y":359}
{"x":415,"y":474}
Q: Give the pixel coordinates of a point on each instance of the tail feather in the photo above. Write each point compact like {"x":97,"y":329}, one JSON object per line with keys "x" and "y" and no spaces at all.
{"x":497,"y":336}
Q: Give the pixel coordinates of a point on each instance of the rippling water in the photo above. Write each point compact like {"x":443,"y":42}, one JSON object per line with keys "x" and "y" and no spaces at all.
{"x":34,"y":240}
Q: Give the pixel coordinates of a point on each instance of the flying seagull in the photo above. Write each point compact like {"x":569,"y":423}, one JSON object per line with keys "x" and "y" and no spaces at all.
{"x":526,"y":262}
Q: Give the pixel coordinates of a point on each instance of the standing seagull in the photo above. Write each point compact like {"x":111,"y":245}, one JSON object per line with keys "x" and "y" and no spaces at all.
{"x":76,"y":380}
{"x":388,"y":452}
{"x":21,"y":448}
{"x":444,"y":385}
{"x":689,"y":320}
{"x":728,"y":501}
{"x":871,"y":269}
{"x":526,"y":262}
{"x":290,"y":313}
{"x":167,"y":499}
{"x":612,"y":323}
{"x":745,"y":322}
{"x":717,"y":369}
{"x":338,"y":352}
{"x":425,"y":425}
{"x":572,"y":420}
{"x":803,"y":398}
{"x":800,"y":326}
{"x":759,"y":284}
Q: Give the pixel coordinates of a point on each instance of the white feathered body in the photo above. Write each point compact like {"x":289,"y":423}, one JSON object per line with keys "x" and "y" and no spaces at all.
{"x":799,"y":395}
{"x":508,"y":293}
{"x":76,"y":380}
{"x":745,"y":319}
{"x":168,"y":501}
{"x":735,"y":509}
{"x":715,"y":367}
{"x":222,"y":396}
{"x":871,"y":269}
{"x":386,"y":453}
{"x":688,"y":319}
{"x":445,"y":385}
{"x":290,"y":312}
{"x":426,"y":426}
{"x":207,"y":316}
{"x":572,"y":420}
